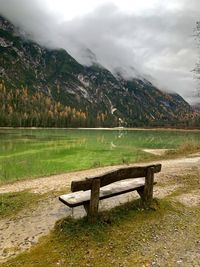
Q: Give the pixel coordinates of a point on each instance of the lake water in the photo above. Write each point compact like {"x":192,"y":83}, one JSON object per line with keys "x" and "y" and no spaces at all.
{"x":26,"y":153}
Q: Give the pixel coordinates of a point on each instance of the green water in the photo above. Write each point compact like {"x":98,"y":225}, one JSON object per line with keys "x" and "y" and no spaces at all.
{"x":41,"y":152}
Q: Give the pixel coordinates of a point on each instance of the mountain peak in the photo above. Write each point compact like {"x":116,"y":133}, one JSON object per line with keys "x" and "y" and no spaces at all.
{"x":105,"y":98}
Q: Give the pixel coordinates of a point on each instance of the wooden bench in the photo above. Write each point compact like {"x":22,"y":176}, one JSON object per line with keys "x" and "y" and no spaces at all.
{"x":89,"y":191}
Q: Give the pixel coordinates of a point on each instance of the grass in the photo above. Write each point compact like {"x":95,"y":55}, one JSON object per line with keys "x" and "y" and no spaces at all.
{"x":32,"y":153}
{"x":188,"y":183}
{"x":126,"y":236}
{"x":188,"y":147}
{"x":12,"y":203}
{"x":77,"y":243}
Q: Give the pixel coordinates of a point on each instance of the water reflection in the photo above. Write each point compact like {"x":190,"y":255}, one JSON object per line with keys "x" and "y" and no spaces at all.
{"x":120,"y":134}
{"x":25,"y":153}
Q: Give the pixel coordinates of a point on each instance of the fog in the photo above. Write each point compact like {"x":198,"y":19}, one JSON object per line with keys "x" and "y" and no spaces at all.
{"x":157,"y":43}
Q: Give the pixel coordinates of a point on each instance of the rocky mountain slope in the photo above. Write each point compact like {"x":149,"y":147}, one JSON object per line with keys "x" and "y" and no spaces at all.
{"x":107,"y":99}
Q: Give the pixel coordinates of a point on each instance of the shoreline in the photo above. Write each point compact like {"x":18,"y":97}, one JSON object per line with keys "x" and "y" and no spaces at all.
{"x":106,"y":129}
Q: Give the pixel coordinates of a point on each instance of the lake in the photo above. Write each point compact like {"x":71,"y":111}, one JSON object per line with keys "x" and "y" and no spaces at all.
{"x":28,"y":153}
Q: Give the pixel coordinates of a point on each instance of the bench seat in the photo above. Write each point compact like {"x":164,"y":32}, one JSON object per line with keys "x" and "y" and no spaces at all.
{"x":114,"y":189}
{"x":89,"y":191}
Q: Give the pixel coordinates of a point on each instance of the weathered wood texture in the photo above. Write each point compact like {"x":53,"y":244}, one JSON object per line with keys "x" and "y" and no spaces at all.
{"x":114,"y":189}
{"x":148,"y":187}
{"x":94,"y":200}
{"x":114,"y":176}
{"x":110,"y":184}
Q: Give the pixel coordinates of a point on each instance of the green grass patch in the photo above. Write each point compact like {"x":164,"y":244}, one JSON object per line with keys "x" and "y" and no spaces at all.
{"x":125,"y":236}
{"x":121,"y":237}
{"x":12,"y":203}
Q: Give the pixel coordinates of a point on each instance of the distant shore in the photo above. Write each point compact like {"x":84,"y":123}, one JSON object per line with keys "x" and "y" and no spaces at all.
{"x":106,"y":129}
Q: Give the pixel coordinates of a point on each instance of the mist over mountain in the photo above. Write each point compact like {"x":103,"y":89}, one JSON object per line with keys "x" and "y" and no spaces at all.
{"x":90,"y":95}
{"x":155,"y":42}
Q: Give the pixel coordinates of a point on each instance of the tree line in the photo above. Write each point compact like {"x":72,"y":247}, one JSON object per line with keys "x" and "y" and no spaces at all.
{"x":21,"y":108}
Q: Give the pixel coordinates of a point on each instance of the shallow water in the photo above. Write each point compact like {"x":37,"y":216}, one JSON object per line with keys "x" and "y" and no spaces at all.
{"x":26,"y":153}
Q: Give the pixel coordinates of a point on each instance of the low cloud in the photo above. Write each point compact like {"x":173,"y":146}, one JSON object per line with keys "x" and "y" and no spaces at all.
{"x":158,"y":43}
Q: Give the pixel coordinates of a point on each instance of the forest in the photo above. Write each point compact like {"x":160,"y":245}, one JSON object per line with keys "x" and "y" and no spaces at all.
{"x":21,"y":108}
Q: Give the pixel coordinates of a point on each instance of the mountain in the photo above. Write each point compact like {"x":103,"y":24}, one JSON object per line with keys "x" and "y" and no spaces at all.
{"x":104,"y":99}
{"x":197,"y":106}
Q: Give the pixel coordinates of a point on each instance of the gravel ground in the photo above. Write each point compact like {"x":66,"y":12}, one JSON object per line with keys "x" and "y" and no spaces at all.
{"x":20,"y":233}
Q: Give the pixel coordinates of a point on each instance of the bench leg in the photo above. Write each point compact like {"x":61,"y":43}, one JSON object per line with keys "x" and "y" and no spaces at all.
{"x":148,"y":187}
{"x":92,"y":207}
{"x":146,"y":193}
{"x":142,"y":195}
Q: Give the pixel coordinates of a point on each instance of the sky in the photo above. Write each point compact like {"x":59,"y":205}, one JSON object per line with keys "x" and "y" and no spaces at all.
{"x":146,"y":38}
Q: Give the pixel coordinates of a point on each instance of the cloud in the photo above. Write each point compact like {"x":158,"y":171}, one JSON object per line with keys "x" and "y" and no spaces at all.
{"x":158,"y":43}
{"x":33,"y":18}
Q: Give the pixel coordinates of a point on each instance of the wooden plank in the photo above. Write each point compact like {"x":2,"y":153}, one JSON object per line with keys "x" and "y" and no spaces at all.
{"x":115,"y":189}
{"x":114,"y":176}
{"x":94,"y":201}
{"x":76,"y":199}
{"x":148,"y":188}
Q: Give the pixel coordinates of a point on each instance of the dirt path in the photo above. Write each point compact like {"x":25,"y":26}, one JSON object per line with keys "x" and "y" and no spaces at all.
{"x":58,"y":182}
{"x":21,"y":232}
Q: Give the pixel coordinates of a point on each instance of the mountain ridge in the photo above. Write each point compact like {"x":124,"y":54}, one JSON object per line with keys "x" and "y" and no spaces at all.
{"x":92,"y":90}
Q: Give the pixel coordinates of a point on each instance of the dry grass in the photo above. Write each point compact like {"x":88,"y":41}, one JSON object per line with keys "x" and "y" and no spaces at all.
{"x":185,"y":148}
{"x":190,"y":146}
{"x":126,"y":236}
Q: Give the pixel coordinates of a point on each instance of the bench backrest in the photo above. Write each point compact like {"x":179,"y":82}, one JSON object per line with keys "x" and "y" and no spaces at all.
{"x":114,"y":176}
